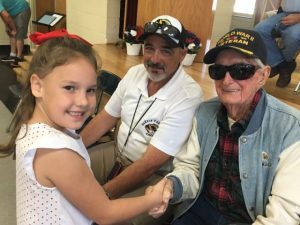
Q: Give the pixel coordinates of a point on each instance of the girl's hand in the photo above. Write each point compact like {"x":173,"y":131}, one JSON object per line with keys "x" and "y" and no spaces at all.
{"x":167,"y":194}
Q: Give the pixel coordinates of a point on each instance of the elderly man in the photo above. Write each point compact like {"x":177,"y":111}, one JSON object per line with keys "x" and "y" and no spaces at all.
{"x":15,"y":15}
{"x":155,"y":103}
{"x":248,"y":143}
{"x":285,"y":24}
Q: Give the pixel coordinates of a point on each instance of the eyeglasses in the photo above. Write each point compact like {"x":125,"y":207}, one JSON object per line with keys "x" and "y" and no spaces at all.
{"x":237,"y":71}
{"x":166,"y":29}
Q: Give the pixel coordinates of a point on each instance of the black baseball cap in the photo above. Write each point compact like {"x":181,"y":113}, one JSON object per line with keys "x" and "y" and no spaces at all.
{"x":245,"y":41}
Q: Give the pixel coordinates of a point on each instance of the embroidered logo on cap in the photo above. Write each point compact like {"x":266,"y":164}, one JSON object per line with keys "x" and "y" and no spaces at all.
{"x":246,"y":41}
{"x":163,"y":22}
{"x":238,"y":37}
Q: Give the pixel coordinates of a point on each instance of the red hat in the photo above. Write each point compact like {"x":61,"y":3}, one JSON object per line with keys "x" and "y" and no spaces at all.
{"x":38,"y":38}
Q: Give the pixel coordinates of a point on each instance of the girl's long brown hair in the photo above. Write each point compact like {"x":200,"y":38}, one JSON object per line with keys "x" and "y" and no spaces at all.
{"x":50,"y":54}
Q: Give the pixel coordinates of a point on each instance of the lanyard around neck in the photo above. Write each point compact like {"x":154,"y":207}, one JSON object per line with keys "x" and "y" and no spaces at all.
{"x":131,"y":128}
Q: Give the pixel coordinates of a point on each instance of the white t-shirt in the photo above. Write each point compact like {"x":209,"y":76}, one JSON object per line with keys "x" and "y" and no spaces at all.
{"x":165,"y":118}
{"x":37,"y":204}
{"x":291,"y":5}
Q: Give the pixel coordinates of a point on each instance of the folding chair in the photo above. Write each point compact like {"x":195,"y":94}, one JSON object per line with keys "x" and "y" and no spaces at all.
{"x":107,"y":83}
{"x":297,"y":87}
{"x":264,"y":11}
{"x":16,"y":90}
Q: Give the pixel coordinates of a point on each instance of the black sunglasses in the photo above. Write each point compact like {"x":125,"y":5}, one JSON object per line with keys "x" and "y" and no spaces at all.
{"x":237,"y":71}
{"x":166,"y":29}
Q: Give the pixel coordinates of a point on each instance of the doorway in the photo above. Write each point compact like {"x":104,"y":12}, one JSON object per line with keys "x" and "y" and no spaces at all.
{"x":128,"y":14}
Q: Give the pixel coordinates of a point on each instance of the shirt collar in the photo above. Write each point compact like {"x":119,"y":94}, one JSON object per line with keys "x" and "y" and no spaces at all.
{"x":242,"y":124}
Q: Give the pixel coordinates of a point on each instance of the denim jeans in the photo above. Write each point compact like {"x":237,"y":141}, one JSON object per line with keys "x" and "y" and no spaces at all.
{"x":202,"y":213}
{"x":290,"y":38}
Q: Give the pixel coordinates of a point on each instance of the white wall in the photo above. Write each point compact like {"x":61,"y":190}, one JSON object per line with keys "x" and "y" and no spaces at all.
{"x":222,"y":19}
{"x":245,"y":21}
{"x":113,"y":21}
{"x":95,"y":20}
{"x":4,"y":40}
{"x":225,"y":19}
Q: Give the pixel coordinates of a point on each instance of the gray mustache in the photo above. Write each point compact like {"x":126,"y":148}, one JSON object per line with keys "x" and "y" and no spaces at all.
{"x":155,"y":65}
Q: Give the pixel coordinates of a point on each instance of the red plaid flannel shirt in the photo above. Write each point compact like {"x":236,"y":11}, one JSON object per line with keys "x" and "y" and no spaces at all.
{"x":222,"y":187}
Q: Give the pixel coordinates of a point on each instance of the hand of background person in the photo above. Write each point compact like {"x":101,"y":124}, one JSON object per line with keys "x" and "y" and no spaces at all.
{"x":7,"y":30}
{"x":13,"y":33}
{"x":167,"y":195}
{"x":10,"y":32}
{"x":291,"y":19}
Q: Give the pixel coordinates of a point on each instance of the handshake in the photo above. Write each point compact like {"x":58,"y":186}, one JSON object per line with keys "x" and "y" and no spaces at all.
{"x":163,"y":191}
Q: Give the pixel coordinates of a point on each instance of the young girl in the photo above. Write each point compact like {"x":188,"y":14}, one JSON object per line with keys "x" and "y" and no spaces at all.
{"x":54,"y":182}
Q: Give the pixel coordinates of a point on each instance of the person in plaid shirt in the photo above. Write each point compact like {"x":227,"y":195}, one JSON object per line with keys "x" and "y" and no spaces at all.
{"x":247,"y":141}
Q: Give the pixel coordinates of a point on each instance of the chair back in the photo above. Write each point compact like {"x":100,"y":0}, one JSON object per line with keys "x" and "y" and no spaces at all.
{"x":107,"y":83}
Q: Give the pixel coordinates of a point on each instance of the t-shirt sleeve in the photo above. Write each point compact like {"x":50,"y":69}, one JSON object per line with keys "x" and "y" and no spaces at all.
{"x":1,"y":6}
{"x":175,"y":128}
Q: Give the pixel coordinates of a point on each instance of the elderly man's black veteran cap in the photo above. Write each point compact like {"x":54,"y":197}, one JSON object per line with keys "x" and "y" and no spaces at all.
{"x":168,"y":28}
{"x":245,"y":41}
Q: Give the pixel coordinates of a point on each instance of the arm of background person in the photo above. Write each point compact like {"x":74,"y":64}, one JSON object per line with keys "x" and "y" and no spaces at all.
{"x":284,"y":202}
{"x":10,"y":24}
{"x":137,"y":172}
{"x":97,"y":127}
{"x":291,"y":19}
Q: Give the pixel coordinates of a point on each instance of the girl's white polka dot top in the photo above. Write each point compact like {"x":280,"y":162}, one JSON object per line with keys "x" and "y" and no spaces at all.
{"x":37,"y":204}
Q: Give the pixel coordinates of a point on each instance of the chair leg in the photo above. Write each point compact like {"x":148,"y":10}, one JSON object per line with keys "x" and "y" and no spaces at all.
{"x":13,"y":116}
{"x":297,"y":87}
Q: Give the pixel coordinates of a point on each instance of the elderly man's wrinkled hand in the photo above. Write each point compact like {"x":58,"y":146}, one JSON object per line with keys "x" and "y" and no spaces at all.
{"x":167,"y":195}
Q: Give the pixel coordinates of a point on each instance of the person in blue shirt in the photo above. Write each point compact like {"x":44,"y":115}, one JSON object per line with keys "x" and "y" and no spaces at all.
{"x":15,"y":15}
{"x":286,"y":25}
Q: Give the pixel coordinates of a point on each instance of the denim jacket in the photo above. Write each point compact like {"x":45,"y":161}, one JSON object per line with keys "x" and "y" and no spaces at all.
{"x":269,"y":154}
